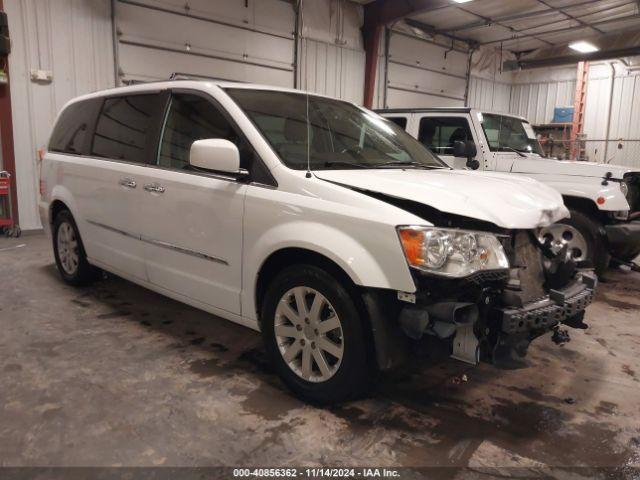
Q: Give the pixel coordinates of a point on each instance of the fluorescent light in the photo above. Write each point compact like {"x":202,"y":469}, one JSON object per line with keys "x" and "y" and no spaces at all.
{"x":461,"y":1}
{"x":583,"y":47}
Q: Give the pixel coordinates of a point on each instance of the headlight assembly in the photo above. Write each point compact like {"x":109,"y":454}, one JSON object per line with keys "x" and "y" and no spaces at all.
{"x":450,"y":252}
{"x":624,"y":188}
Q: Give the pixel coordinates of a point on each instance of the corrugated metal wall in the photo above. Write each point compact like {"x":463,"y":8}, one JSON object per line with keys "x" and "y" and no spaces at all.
{"x":613,"y":113}
{"x":73,"y":39}
{"x":490,"y":95}
{"x":536,"y":101}
{"x":331,"y":55}
{"x":331,"y":70}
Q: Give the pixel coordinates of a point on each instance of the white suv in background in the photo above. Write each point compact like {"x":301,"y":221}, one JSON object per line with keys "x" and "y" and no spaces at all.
{"x":319,"y":223}
{"x":604,"y":199}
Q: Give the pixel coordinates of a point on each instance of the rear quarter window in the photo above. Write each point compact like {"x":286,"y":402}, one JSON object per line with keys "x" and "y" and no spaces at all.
{"x":71,"y":133}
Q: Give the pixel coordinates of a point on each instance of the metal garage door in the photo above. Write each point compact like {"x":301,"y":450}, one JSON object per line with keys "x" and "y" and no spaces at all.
{"x":423,"y":74}
{"x":241,"y":40}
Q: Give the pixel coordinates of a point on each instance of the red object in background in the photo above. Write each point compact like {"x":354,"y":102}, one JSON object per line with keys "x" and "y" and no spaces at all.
{"x":6,"y":134}
{"x":6,"y":215}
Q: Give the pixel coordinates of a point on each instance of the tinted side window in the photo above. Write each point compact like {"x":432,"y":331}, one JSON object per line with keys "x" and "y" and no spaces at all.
{"x":400,"y":121}
{"x":439,"y":134}
{"x":125,"y":127}
{"x":72,"y":130}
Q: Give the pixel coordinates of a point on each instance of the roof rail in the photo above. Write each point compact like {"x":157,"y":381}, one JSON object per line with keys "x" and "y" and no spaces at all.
{"x":193,"y":76}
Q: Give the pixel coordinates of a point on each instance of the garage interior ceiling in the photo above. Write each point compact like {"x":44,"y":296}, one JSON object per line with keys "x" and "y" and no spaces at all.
{"x":526,"y":25}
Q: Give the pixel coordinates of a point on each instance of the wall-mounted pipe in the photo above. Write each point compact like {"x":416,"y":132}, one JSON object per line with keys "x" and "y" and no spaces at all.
{"x":296,"y":39}
{"x":387,"y":48}
{"x":116,"y":57}
{"x":609,"y":111}
{"x":468,"y":77}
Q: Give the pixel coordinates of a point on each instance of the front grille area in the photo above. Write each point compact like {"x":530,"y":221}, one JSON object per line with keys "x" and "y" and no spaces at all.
{"x":633,"y":182}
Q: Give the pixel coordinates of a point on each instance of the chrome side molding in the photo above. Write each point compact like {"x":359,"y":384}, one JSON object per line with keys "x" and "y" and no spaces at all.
{"x":160,"y":243}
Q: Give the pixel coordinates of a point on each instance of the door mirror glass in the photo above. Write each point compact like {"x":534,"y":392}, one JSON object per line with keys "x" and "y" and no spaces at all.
{"x":215,"y":154}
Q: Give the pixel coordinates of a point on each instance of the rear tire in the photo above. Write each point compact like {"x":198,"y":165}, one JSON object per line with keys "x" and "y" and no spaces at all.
{"x":319,"y":353}
{"x":68,"y":250}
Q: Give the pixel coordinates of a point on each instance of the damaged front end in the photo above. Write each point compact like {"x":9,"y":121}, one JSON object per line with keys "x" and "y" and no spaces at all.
{"x":493,"y":315}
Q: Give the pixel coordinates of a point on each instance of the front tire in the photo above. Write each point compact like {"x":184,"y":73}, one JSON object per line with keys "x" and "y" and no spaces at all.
{"x":584,"y":237}
{"x":314,"y":336}
{"x":68,"y":250}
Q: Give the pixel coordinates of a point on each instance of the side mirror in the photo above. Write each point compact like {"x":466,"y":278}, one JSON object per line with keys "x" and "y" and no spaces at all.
{"x":216,"y":154}
{"x":468,"y":150}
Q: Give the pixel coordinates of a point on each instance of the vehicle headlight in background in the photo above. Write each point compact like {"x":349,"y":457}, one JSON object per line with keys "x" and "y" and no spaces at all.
{"x":624,"y":188}
{"x":450,"y":252}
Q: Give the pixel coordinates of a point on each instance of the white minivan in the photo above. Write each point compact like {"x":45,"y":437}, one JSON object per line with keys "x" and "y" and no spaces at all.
{"x":319,"y":223}
{"x":604,"y":199}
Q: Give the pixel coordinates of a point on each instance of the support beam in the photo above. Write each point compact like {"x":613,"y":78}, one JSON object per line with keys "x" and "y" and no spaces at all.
{"x":372,"y":46}
{"x":568,"y":59}
{"x":377,"y":15}
{"x":432,"y":32}
{"x":6,"y":134}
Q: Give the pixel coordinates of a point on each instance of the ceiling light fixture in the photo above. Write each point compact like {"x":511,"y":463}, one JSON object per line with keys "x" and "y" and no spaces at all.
{"x":583,"y":47}
{"x":461,"y":1}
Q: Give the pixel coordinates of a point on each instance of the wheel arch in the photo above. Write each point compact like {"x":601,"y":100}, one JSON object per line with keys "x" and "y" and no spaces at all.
{"x":61,"y":199}
{"x":55,"y":208}
{"x":384,"y":342}
{"x":586,"y":206}
{"x":582,"y":204}
{"x":283,"y":258}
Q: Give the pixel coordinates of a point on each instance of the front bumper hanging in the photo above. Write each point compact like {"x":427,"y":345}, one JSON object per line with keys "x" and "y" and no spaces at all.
{"x":561,"y":306}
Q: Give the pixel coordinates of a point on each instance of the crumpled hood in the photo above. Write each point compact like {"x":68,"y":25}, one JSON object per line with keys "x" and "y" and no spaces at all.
{"x":507,"y":200}
{"x":549,"y":166}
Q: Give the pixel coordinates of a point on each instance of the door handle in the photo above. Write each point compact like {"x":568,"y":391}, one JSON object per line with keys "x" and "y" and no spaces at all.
{"x":154,"y":188}
{"x":128,"y":182}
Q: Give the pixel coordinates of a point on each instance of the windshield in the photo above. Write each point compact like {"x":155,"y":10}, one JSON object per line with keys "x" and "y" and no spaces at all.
{"x":341,"y":134}
{"x":506,"y":134}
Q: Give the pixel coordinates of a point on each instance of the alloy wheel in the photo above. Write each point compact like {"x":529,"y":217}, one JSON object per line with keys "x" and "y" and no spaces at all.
{"x":68,"y":248}
{"x":309,"y":334}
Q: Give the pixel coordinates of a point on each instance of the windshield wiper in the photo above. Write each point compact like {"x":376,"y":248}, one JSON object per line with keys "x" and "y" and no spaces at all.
{"x":339,"y":163}
{"x":398,"y":163}
{"x":514,"y":150}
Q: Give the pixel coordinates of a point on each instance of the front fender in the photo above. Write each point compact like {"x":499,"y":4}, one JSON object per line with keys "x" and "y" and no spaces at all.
{"x":386,"y":269}
{"x":592,"y":190}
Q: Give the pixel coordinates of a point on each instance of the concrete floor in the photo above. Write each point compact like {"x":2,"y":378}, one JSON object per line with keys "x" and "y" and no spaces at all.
{"x":117,"y":375}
